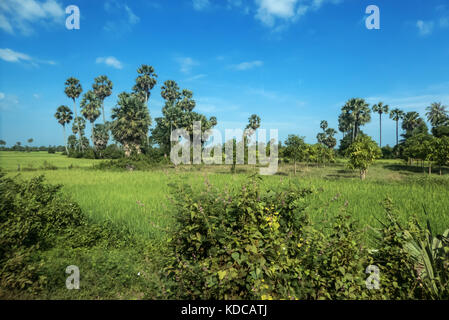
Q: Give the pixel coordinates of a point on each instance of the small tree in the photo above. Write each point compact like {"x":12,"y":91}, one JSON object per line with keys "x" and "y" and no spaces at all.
{"x":64,"y":115}
{"x":441,"y":151}
{"x":362,"y":154}
{"x":100,"y":137}
{"x":293,"y":148}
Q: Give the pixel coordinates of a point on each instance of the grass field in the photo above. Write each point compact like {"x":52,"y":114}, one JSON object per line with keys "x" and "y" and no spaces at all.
{"x":141,"y":199}
{"x":140,"y":202}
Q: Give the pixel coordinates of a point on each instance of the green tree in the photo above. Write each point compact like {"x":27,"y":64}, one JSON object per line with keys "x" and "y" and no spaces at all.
{"x":380,"y":108}
{"x":178,"y":112}
{"x":437,"y":114}
{"x":100,"y":137}
{"x":327,"y":136}
{"x":2,"y":143}
{"x":146,"y":81}
{"x":78,"y":127}
{"x":396,"y":115}
{"x":102,"y":88}
{"x":90,"y":109}
{"x":362,"y":153}
{"x":294,"y":148}
{"x":73,"y":90}
{"x":131,"y":121}
{"x":441,"y":149}
{"x":64,"y":115}
{"x":410,"y":122}
{"x":358,"y":112}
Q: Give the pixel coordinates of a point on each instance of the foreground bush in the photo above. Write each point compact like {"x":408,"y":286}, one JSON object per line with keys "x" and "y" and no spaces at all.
{"x":254,"y":244}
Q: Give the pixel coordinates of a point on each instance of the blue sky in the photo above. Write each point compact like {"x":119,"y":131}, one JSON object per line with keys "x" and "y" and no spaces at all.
{"x":292,"y":62}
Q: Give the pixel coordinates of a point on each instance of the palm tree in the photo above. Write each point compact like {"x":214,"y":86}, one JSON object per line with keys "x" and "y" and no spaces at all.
{"x":91,"y":109}
{"x":146,"y":81}
{"x":396,"y":115}
{"x":437,"y":114}
{"x":102,"y":89}
{"x":64,"y":116}
{"x":410,"y":121}
{"x":73,"y":90}
{"x":359,"y":114}
{"x":380,"y":108}
{"x":79,"y":124}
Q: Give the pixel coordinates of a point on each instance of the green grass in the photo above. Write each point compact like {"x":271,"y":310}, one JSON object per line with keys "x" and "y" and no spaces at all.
{"x":141,"y":199}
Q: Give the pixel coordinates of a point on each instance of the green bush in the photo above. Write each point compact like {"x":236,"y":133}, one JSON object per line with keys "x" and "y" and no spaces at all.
{"x":255,"y":244}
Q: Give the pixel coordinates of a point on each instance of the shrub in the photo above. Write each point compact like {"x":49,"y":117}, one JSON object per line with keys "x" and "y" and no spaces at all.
{"x":255,"y":244}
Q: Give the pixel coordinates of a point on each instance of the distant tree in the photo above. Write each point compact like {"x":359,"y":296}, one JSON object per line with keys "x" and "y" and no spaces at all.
{"x":90,"y":109}
{"x":178,"y":112}
{"x":102,"y":88}
{"x":100,"y":137}
{"x":72,"y":142}
{"x":380,"y":108}
{"x":2,"y":143}
{"x":78,"y":127}
{"x":327,"y":136}
{"x":437,"y":114}
{"x":362,"y":153}
{"x":131,"y":121}
{"x":396,"y":115}
{"x":410,"y":121}
{"x":294,"y":148}
{"x":30,"y":140}
{"x":441,"y":151}
{"x":73,"y":90}
{"x":64,"y":116}
{"x":358,"y":112}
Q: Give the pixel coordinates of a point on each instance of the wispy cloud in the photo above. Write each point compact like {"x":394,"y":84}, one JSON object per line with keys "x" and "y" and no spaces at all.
{"x":186,"y":64}
{"x":200,"y":4}
{"x":123,"y":17}
{"x":10,"y":55}
{"x":24,"y":15}
{"x":110,"y":61}
{"x":8,"y":101}
{"x":247,"y":65}
{"x":196,"y":77}
{"x":425,"y":27}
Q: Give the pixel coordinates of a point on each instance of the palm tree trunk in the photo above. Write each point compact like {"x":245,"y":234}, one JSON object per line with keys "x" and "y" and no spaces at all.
{"x":65,"y":140}
{"x":397,"y":136}
{"x":380,"y":126}
{"x":295,"y":168}
{"x":78,"y":126}
{"x":92,"y":135}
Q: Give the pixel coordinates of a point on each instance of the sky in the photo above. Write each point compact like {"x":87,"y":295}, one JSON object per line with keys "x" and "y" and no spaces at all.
{"x":292,"y":62}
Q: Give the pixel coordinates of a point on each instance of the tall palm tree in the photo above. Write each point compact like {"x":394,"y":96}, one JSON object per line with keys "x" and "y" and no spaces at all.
{"x":73,"y":90}
{"x":91,"y":109}
{"x":396,"y":115}
{"x":102,"y":89}
{"x":64,"y":116}
{"x":380,"y":108}
{"x":358,"y":112}
{"x":437,"y":114}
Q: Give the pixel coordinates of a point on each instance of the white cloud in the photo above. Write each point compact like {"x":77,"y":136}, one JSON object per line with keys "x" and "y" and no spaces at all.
{"x":9,"y":55}
{"x":2,"y":95}
{"x":425,"y":27}
{"x":269,"y":12}
{"x":22,"y":14}
{"x":132,"y":18}
{"x":110,"y":61}
{"x":248,"y":65}
{"x":186,"y":64}
{"x":200,"y":4}
{"x":196,"y":77}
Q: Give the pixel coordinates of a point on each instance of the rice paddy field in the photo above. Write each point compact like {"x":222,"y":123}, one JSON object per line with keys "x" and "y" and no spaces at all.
{"x":140,"y":200}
